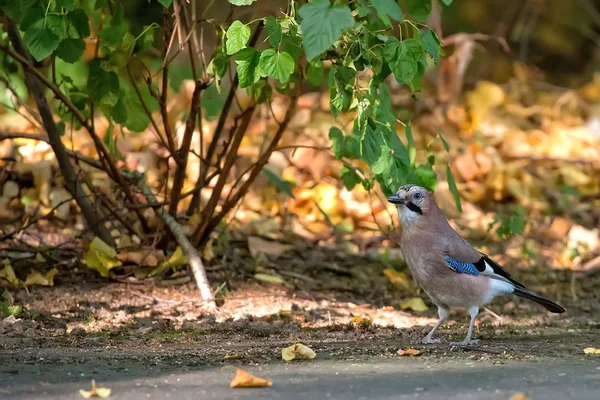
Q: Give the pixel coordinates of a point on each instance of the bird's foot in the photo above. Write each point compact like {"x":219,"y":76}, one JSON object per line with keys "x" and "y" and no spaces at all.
{"x":465,"y":342}
{"x":429,"y":340}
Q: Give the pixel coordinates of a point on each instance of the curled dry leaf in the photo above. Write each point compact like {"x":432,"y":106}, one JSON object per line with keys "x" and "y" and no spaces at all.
{"x":591,"y":350}
{"x":269,"y":278}
{"x":175,"y":261}
{"x":414,"y":303}
{"x":298,"y":349}
{"x":244,"y":379}
{"x":233,"y":357}
{"x":37,"y":278}
{"x":7,"y":275}
{"x":519,"y":396}
{"x":257,"y":245}
{"x":95,"y":392}
{"x":398,"y":279}
{"x":409,"y":352}
{"x":101,"y":257}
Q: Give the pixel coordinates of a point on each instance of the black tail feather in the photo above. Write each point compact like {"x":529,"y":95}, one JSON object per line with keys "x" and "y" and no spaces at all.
{"x":550,"y":305}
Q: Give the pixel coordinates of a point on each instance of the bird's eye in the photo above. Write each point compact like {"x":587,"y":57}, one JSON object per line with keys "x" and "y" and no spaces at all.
{"x":418,"y":196}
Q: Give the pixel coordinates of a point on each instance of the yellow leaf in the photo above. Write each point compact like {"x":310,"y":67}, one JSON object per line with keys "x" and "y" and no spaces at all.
{"x":257,"y":245}
{"x":591,"y":350}
{"x":396,"y":278}
{"x":8,"y":274}
{"x":101,"y":257}
{"x":36,"y":278}
{"x":175,"y":261}
{"x":415,"y":304}
{"x":244,"y":379}
{"x":95,"y":392}
{"x":519,"y":396}
{"x":269,"y":278}
{"x":409,"y":352}
{"x":298,"y":349}
{"x":233,"y":357}
{"x":361,"y":321}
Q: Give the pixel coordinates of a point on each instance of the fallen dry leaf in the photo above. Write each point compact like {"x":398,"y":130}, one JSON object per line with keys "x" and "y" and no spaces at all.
{"x":298,"y":349}
{"x":359,"y":320}
{"x":176,"y":260}
{"x":7,"y":274}
{"x":244,"y":379}
{"x":101,"y":257}
{"x":399,"y":279}
{"x":519,"y":396}
{"x":414,"y":303}
{"x":95,"y":392}
{"x":409,"y":352}
{"x":37,"y":278}
{"x":269,"y":278}
{"x":257,"y":245}
{"x":233,"y":357}
{"x":591,"y":350}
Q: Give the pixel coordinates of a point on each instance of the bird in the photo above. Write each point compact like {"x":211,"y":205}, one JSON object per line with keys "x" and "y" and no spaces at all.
{"x":450,"y":271}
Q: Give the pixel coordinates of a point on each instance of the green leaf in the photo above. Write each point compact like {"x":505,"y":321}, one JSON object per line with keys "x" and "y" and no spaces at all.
{"x":56,"y":23}
{"x":40,"y":40}
{"x":341,"y":80}
{"x":337,"y":139}
{"x":444,"y":142}
{"x":237,"y":37}
{"x":166,"y":3}
{"x":292,"y":44}
{"x":70,"y":49}
{"x":277,"y":65}
{"x":453,"y":188}
{"x":384,"y":162}
{"x":102,"y":85}
{"x":129,"y":110}
{"x":66,"y":4}
{"x":431,"y":44}
{"x":314,"y":72}
{"x":322,"y":25}
{"x":371,"y":143}
{"x":427,"y":177}
{"x":241,"y":2}
{"x":145,"y":39}
{"x":419,"y":9}
{"x":349,"y":177}
{"x":447,"y":2}
{"x":116,"y":31}
{"x":274,"y":30}
{"x":247,"y":61}
{"x":403,"y":58}
{"x":278,"y":182}
{"x":351,"y":147}
{"x":32,"y":16}
{"x":261,"y":91}
{"x":80,"y":21}
{"x":386,"y":9}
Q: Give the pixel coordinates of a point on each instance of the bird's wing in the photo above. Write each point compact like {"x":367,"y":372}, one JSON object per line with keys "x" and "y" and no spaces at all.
{"x":463,"y":258}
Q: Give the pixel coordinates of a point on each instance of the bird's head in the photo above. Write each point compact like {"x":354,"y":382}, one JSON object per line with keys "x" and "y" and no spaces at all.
{"x":413,"y":203}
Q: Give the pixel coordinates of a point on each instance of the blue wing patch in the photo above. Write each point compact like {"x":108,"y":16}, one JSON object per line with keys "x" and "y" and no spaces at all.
{"x":462,"y":267}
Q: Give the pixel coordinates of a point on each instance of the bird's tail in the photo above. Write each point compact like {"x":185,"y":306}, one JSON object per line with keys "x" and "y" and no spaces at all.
{"x":550,"y":305}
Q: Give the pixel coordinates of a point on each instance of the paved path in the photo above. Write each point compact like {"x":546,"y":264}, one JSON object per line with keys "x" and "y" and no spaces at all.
{"x":134,"y":377}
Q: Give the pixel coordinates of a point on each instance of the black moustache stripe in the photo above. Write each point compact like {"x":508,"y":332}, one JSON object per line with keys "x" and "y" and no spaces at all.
{"x":413,"y":207}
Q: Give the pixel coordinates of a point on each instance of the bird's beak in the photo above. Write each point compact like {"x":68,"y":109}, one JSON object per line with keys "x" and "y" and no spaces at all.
{"x":395,"y":199}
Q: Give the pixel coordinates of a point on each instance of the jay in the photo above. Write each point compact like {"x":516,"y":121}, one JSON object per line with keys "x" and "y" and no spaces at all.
{"x":446,"y":266}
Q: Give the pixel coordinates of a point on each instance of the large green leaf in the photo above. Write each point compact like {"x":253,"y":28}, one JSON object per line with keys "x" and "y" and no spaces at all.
{"x":80,"y":21}
{"x":40,"y":40}
{"x":276,"y":64}
{"x":386,"y":9}
{"x":70,"y":49}
{"x":419,"y":9}
{"x":337,"y":141}
{"x":247,"y":61}
{"x":261,"y":91}
{"x":384,"y":162}
{"x":349,"y":177}
{"x":403,"y":58}
{"x":166,"y":3}
{"x":237,"y":37}
{"x":274,"y":30}
{"x":314,"y":72}
{"x":431,"y":44}
{"x":322,"y":25}
{"x":427,"y":177}
{"x":103,"y":85}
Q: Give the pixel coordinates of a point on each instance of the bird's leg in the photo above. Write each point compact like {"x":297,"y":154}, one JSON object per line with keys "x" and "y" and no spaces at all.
{"x":443,"y":314}
{"x":473,"y":311}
